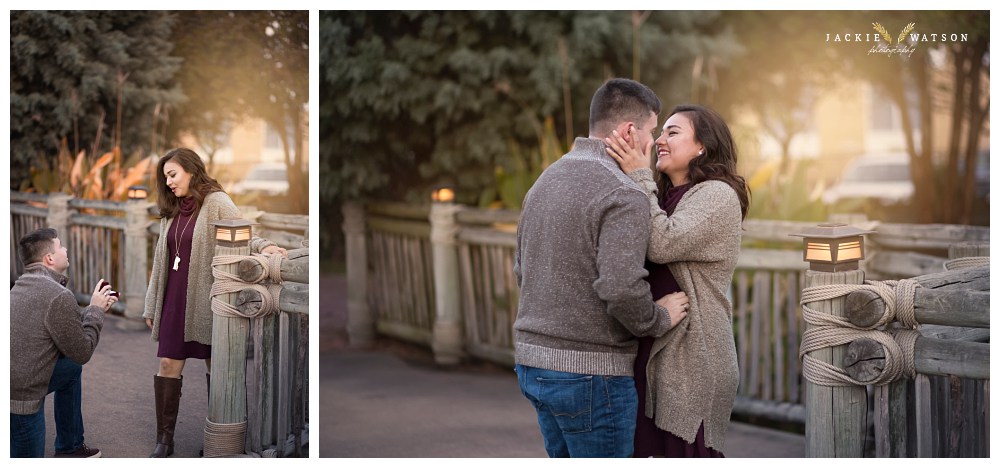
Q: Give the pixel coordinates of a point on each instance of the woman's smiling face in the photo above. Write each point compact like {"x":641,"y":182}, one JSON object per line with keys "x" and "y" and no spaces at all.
{"x":676,"y":147}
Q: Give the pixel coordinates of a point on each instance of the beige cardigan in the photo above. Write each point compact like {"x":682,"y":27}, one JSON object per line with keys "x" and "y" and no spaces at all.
{"x":692,"y":371}
{"x":198,"y":313}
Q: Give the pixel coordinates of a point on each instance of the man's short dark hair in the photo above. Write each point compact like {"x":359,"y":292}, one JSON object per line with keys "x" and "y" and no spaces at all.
{"x":36,"y":244}
{"x":621,"y":100}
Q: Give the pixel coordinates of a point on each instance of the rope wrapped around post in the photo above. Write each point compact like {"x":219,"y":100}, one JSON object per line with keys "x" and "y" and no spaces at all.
{"x":966,"y":262}
{"x":830,"y":330}
{"x":229,"y":283}
{"x":223,"y":439}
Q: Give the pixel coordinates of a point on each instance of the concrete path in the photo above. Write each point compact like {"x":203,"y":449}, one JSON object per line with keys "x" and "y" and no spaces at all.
{"x":118,"y":413}
{"x":392,"y":401}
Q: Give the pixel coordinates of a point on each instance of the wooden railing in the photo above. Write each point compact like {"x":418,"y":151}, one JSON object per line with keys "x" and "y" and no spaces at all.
{"x":266,"y":389}
{"x":113,"y":240}
{"x":400,"y":292}
{"x":911,"y":361}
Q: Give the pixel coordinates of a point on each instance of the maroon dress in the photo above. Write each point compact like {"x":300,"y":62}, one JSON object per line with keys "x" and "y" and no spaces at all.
{"x":651,"y":441}
{"x":172,"y":344}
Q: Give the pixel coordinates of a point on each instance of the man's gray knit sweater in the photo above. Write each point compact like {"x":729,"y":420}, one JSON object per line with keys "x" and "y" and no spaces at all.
{"x":581,"y":243}
{"x":45,"y":321}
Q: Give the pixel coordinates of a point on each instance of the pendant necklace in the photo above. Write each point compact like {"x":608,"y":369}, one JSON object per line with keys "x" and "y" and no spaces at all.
{"x":177,"y":243}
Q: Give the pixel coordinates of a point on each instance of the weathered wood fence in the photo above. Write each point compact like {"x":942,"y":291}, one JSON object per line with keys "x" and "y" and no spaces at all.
{"x":911,"y":358}
{"x":95,"y":234}
{"x":258,"y":402}
{"x":114,"y":240}
{"x":408,"y":270}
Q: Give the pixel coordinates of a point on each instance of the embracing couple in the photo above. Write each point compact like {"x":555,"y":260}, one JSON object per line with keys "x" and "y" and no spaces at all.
{"x":616,"y":366}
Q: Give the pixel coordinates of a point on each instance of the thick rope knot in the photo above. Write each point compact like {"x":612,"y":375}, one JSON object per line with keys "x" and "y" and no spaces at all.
{"x":966,"y":262}
{"x":224,"y":439}
{"x":905,"y":290}
{"x":227,"y":283}
{"x":907,"y":340}
{"x":829,"y":330}
{"x":824,"y":373}
{"x":272,"y":265}
{"x":899,"y":302}
{"x":833,"y":291}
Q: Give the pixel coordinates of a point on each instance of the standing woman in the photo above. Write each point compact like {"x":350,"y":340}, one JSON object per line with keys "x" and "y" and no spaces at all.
{"x":178,"y":301}
{"x":687,"y":379}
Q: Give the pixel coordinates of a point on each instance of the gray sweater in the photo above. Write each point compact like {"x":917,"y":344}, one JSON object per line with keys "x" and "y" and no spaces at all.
{"x":45,"y":321}
{"x":692,"y":375}
{"x":198,"y":312}
{"x":581,"y":243}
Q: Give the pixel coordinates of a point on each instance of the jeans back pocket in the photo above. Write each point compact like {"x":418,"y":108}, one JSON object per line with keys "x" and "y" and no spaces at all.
{"x":570,"y":401}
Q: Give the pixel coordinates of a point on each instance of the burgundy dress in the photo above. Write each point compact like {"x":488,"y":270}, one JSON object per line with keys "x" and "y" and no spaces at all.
{"x":172,"y":344}
{"x":651,"y":441}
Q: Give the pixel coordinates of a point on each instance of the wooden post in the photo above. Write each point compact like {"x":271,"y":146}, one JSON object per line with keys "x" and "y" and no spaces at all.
{"x":285,"y":339}
{"x":292,"y":269}
{"x":58,"y":218}
{"x":835,"y":416}
{"x":865,"y":358}
{"x":448,"y":339}
{"x":136,"y":243}
{"x":953,"y":307}
{"x":227,"y":398}
{"x":360,"y":322}
{"x":268,"y":373}
{"x":968,"y":249}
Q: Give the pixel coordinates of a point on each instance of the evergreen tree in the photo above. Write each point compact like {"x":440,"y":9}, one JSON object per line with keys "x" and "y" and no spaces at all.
{"x":93,"y":78}
{"x":410,"y":100}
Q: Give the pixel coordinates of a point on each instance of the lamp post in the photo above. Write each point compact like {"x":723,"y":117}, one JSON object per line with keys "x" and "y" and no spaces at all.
{"x":137,"y":192}
{"x":834,"y":415}
{"x":833,"y":247}
{"x":136,"y":240}
{"x":443,"y":195}
{"x":233,"y":233}
{"x":227,"y":399}
{"x":360,"y":320}
{"x":447,"y":340}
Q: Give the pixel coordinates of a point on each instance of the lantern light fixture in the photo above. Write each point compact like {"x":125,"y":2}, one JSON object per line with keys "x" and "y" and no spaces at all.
{"x":833,"y":247}
{"x":233,"y":232}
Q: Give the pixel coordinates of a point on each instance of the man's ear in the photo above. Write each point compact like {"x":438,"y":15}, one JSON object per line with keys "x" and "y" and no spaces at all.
{"x":623,"y":130}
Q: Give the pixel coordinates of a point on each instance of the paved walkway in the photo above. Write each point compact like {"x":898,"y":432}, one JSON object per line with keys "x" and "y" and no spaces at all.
{"x":118,"y":413}
{"x":392,"y":401}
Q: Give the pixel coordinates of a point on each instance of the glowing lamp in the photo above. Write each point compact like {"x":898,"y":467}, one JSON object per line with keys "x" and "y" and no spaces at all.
{"x":443,"y":195}
{"x":232,"y":232}
{"x":137,"y":192}
{"x":833,"y":247}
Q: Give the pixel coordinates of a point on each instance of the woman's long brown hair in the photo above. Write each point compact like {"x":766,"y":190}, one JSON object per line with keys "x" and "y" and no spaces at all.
{"x":719,"y":159}
{"x":201,"y":184}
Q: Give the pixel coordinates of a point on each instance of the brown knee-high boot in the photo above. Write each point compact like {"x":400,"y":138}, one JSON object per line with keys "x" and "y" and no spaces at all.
{"x":167,"y":393}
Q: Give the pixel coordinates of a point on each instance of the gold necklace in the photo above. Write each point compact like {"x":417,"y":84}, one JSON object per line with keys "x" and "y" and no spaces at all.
{"x":177,"y":243}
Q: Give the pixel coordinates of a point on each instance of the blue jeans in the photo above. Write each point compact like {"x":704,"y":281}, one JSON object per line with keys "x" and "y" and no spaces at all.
{"x":582,"y":415}
{"x":27,"y":431}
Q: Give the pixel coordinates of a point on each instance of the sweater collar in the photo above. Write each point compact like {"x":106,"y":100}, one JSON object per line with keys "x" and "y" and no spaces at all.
{"x":39,"y":268}
{"x":590,"y":148}
{"x":595,"y":150}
